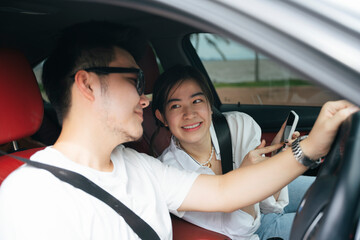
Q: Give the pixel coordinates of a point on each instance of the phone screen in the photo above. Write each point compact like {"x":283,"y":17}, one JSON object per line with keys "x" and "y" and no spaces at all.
{"x":290,"y":126}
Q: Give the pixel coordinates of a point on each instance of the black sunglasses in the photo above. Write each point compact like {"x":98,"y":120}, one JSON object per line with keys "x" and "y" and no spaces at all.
{"x":140,"y":81}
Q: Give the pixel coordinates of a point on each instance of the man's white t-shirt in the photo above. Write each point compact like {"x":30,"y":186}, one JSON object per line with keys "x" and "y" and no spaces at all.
{"x":34,"y":204}
{"x":245,"y":136}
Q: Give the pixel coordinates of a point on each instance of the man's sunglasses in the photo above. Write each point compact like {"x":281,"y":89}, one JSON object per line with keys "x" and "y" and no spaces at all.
{"x":140,"y":81}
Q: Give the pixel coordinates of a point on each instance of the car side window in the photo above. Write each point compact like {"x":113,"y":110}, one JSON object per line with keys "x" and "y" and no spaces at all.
{"x":38,"y":72}
{"x":241,"y":75}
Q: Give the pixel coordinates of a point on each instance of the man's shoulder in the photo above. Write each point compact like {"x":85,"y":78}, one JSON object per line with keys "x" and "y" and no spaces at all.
{"x":32,"y":196}
{"x":27,"y":177}
{"x":48,"y":155}
{"x":133,"y":157}
{"x":29,"y":184}
{"x":122,"y":151}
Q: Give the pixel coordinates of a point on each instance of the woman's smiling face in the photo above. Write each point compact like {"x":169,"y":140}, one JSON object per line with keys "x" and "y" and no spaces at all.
{"x":188,"y":113}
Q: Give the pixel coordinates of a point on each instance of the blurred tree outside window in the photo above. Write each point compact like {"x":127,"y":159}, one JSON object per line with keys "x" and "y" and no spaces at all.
{"x":242,"y":75}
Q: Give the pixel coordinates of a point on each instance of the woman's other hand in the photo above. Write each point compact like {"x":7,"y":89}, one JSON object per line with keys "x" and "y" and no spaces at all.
{"x":277,"y":138}
{"x":258,"y":154}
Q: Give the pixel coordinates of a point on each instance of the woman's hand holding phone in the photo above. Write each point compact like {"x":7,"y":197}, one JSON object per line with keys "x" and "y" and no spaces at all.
{"x":285,"y":136}
{"x":287,"y":133}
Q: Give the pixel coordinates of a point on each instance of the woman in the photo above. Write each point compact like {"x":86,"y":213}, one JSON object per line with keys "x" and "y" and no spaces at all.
{"x":182,"y":101}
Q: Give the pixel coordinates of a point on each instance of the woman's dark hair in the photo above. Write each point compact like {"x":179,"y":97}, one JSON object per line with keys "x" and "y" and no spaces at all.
{"x":85,"y":45}
{"x":174,"y":77}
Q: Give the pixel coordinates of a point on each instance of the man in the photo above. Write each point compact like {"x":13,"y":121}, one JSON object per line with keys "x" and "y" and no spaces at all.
{"x":95,"y":84}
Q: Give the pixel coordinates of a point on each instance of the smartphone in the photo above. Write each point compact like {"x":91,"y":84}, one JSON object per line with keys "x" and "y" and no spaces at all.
{"x":291,"y":123}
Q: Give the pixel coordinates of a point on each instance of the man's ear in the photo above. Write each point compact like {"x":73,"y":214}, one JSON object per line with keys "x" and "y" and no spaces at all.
{"x":84,"y":83}
{"x":160,"y":117}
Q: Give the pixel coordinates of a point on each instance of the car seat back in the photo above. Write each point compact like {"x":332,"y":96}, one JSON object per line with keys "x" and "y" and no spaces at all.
{"x":20,"y":98}
{"x":150,"y":67}
{"x":21,"y":105}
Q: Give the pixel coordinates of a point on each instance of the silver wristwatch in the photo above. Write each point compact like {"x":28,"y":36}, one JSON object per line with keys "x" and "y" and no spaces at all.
{"x":300,"y":156}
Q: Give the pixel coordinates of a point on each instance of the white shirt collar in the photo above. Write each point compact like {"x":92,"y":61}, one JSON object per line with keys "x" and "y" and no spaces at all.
{"x":215,"y":141}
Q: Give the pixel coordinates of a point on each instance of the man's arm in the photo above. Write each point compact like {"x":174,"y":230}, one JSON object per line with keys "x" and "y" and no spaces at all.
{"x":250,"y":184}
{"x":243,"y":186}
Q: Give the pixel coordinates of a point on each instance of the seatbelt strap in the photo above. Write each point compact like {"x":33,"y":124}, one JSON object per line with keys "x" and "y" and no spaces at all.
{"x":224,"y":139}
{"x":139,"y":226}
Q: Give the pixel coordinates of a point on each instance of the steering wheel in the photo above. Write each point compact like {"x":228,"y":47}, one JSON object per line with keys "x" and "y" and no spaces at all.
{"x":330,"y":208}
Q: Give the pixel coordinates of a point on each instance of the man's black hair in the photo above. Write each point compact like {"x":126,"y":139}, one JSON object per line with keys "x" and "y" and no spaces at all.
{"x":85,"y":45}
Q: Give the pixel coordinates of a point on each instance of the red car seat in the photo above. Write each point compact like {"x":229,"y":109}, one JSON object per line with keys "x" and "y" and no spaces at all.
{"x":150,"y":67}
{"x":21,"y":106}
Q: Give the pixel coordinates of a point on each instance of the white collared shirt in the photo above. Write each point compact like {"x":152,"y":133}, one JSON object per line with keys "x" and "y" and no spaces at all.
{"x":245,"y":136}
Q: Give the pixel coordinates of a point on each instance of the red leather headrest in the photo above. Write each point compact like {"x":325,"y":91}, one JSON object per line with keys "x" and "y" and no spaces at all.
{"x":150,"y":68}
{"x":21,"y":104}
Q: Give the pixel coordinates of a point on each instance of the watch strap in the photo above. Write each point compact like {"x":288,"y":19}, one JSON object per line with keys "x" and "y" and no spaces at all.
{"x":301,"y":157}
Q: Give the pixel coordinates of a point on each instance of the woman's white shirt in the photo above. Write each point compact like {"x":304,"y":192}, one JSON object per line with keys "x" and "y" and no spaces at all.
{"x":245,"y":136}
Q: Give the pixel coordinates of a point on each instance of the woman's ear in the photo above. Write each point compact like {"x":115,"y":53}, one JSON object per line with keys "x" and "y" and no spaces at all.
{"x":160,"y":117}
{"x":84,"y":83}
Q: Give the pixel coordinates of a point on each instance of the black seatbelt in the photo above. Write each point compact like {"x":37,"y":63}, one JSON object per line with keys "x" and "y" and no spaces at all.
{"x":139,"y":226}
{"x":224,"y":138}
